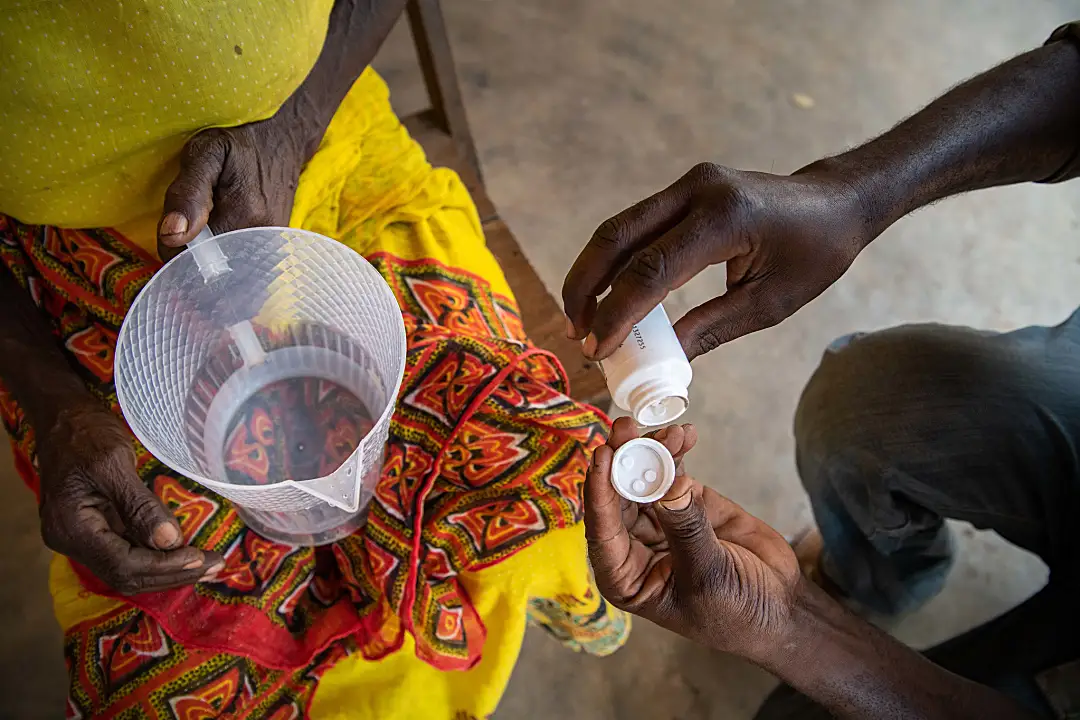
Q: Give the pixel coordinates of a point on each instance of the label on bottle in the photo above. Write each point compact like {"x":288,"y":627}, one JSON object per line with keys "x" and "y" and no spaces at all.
{"x":651,"y":339}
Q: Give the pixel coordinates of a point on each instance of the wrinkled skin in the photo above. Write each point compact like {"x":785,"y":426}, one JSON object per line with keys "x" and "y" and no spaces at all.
{"x":693,"y":562}
{"x":234,"y":178}
{"x":88,"y":483}
{"x":785,"y":239}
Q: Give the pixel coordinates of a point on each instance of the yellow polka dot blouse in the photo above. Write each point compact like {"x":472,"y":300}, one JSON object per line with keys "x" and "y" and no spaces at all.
{"x":98,"y":98}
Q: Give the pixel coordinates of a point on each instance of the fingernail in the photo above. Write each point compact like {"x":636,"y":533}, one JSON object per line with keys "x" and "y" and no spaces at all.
{"x":166,"y":535}
{"x":678,"y":504}
{"x":214,"y":570}
{"x":660,"y":434}
{"x":195,"y":563}
{"x":589,"y":348}
{"x":174,"y":224}
{"x":571,"y":331}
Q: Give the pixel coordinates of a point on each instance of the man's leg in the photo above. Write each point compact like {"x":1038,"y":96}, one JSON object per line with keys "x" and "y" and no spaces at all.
{"x":900,"y":429}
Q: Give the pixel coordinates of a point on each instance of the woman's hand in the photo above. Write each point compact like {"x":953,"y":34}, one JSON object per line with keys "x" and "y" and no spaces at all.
{"x":694,"y":562}
{"x":246,"y":176}
{"x":785,"y":239}
{"x":234,"y":178}
{"x":96,"y":510}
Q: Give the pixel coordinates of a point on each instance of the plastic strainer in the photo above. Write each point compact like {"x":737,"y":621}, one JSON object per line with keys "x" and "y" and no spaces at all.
{"x":264,"y":363}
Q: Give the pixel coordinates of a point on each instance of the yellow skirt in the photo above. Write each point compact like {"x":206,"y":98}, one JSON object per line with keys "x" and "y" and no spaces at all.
{"x":370,"y":186}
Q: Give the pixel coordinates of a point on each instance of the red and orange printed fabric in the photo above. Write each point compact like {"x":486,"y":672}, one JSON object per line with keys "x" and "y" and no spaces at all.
{"x":475,"y":523}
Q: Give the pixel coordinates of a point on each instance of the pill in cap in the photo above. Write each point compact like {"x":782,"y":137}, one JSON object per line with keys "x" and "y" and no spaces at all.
{"x":662,"y":412}
{"x":642,"y":470}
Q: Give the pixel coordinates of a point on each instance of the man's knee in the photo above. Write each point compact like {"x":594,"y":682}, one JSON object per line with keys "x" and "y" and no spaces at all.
{"x":887,"y":389}
{"x":900,"y":427}
{"x":915,"y":387}
{"x":866,"y":455}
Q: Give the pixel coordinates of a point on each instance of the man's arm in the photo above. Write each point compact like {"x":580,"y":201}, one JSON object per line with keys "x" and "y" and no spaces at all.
{"x":855,"y":670}
{"x":785,"y":239}
{"x":1019,"y":122}
{"x":705,"y":568}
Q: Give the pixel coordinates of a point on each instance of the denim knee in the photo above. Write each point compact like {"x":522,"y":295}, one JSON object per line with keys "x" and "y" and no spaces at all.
{"x":855,"y":444}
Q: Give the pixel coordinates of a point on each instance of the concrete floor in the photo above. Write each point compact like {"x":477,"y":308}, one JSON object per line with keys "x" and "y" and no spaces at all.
{"x":581,"y":107}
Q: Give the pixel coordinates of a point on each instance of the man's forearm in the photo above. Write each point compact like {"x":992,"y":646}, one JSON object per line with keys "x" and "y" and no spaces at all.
{"x":31,"y":365}
{"x":857,"y":671}
{"x":1015,"y":123}
{"x":356,"y":31}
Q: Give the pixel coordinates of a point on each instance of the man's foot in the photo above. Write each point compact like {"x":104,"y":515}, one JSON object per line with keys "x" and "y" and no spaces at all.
{"x":809,"y":546}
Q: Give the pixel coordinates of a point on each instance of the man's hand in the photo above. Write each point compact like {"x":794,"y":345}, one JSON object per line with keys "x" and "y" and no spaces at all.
{"x":699,"y":565}
{"x":96,"y":510}
{"x":785,"y":239}
{"x":234,"y":178}
{"x":694,"y":562}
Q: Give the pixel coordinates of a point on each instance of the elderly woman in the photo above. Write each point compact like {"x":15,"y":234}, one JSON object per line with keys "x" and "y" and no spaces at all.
{"x":127,"y":127}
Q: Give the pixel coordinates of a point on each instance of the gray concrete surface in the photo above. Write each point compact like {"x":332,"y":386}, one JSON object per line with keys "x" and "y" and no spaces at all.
{"x":581,"y":107}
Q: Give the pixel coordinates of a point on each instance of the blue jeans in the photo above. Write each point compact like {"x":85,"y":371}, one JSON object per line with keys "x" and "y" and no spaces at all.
{"x":898,"y":430}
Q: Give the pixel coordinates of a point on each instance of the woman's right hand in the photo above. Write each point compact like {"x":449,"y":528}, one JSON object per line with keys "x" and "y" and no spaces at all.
{"x":96,"y":510}
{"x":785,"y":239}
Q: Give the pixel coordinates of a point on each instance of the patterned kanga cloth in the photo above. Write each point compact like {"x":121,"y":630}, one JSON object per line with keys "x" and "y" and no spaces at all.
{"x":475,"y":522}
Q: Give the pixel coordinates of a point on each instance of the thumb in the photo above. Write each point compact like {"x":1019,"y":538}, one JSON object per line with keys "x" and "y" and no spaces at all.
{"x":149,"y":523}
{"x":190,"y":197}
{"x":681,"y":514}
{"x":743,"y":309}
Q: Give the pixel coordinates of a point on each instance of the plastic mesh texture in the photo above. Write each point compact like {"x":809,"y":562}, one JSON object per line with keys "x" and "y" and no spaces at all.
{"x":318,"y":309}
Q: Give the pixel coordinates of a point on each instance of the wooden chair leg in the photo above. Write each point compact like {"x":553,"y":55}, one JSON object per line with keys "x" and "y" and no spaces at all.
{"x":444,"y":133}
{"x":437,"y":63}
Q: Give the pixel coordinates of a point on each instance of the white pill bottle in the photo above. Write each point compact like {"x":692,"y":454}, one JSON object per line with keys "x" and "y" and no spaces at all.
{"x":649,"y":375}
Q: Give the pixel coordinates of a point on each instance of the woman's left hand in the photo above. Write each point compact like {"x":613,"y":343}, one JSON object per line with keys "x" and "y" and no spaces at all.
{"x":237,"y":177}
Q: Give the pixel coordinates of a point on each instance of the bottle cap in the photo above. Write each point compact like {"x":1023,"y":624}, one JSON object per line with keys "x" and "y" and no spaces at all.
{"x":642,"y":470}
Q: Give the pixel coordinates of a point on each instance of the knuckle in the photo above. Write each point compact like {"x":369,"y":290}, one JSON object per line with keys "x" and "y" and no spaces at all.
{"x":237,"y":214}
{"x":53,"y":529}
{"x":688,"y":525}
{"x":704,"y":173}
{"x":53,"y":539}
{"x":650,"y":267}
{"x":731,"y":208}
{"x":692,"y":530}
{"x":143,"y":509}
{"x":111,"y":568}
{"x":110,"y":474}
{"x":129,"y":586}
{"x":706,"y":341}
{"x":262,"y":215}
{"x":119,"y":576}
{"x":116,"y":577}
{"x":206,"y":142}
{"x":570,"y":293}
{"x":621,"y":598}
{"x":118,"y":455}
{"x":610,"y":234}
